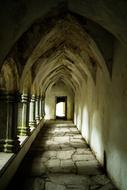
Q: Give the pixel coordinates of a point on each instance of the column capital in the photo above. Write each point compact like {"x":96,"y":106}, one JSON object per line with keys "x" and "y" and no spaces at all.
{"x":37,"y":98}
{"x":42,"y":98}
{"x":24,"y":98}
{"x":8,"y":96}
{"x":33,"y":98}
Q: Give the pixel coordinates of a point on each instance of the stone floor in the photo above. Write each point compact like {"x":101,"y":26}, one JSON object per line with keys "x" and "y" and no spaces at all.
{"x":60,"y":159}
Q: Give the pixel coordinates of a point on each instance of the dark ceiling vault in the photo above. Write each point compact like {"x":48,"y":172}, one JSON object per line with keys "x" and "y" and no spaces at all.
{"x":61,"y":40}
{"x":17,"y":16}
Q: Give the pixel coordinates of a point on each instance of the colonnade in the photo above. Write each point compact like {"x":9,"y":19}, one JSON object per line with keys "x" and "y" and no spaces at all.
{"x":19,"y":115}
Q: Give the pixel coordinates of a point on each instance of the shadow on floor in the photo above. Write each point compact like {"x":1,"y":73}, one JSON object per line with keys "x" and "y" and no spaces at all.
{"x":60,"y":159}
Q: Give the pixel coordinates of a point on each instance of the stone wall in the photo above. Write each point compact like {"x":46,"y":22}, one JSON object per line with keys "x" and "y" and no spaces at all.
{"x":100,"y":114}
{"x":58,"y":90}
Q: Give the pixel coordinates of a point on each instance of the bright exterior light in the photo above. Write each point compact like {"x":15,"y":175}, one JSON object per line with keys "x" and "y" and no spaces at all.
{"x":60,"y":109}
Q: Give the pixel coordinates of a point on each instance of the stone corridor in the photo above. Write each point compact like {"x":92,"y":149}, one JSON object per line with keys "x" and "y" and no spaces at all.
{"x":60,"y":159}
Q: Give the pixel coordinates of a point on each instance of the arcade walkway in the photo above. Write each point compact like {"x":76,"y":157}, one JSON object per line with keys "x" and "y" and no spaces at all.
{"x":60,"y":159}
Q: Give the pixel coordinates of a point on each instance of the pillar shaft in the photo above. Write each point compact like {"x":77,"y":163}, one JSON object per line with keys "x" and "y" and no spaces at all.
{"x":23,"y":125}
{"x":43,"y":107}
{"x":32,"y":121}
{"x":40,"y":111}
{"x":37,"y":109}
{"x":8,"y":117}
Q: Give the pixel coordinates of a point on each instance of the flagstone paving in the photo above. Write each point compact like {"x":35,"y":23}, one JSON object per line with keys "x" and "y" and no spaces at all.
{"x":60,"y":159}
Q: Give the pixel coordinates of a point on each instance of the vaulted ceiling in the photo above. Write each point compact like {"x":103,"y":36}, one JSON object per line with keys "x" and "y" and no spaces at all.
{"x":61,"y":40}
{"x":66,"y":52}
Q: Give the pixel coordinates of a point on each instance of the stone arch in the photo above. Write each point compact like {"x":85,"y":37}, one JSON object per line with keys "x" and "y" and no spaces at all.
{"x":9,"y":77}
{"x":58,"y":39}
{"x":26,"y":83}
{"x":113,"y":21}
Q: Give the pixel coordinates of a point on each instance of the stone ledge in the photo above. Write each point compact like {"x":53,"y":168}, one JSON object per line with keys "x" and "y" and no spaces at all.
{"x":9,"y":162}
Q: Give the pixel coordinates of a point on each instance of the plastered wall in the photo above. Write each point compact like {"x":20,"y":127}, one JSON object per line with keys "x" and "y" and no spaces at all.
{"x":59,"y":89}
{"x":101,"y":116}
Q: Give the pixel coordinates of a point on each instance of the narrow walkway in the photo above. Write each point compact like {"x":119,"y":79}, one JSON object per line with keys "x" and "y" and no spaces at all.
{"x":60,"y":159}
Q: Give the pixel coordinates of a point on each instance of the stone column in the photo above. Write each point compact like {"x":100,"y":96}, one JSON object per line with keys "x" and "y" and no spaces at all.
{"x":32,"y":121}
{"x":43,"y":107}
{"x":37,"y":109}
{"x":23,"y":125}
{"x":8,"y":122}
{"x":41,"y":111}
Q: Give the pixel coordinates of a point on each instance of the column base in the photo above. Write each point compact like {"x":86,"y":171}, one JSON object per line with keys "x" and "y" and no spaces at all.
{"x":37,"y":119}
{"x":32,"y":124}
{"x":23,"y":131}
{"x":41,"y":117}
{"x":9,"y":145}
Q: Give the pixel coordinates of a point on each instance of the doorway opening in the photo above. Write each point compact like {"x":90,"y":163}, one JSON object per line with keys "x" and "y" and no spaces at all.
{"x":61,"y":107}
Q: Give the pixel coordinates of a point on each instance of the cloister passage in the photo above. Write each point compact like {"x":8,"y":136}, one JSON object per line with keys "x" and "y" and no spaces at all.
{"x":73,"y":54}
{"x":60,"y":159}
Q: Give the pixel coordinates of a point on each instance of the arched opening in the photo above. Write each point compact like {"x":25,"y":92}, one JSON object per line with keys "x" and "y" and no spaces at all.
{"x":61,"y":107}
{"x":59,"y":102}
